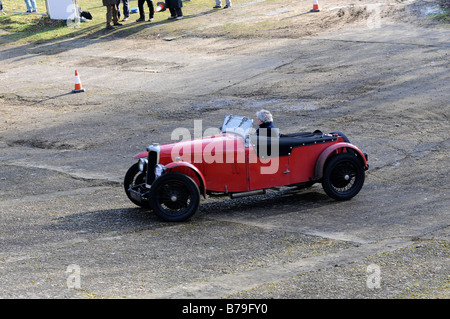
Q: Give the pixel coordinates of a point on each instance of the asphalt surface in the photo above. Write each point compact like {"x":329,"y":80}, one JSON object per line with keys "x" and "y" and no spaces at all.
{"x":67,"y":229}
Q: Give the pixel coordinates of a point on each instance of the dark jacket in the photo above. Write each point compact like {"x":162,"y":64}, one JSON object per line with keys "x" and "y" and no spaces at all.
{"x":109,"y":2}
{"x":174,"y":4}
{"x":267,"y":127}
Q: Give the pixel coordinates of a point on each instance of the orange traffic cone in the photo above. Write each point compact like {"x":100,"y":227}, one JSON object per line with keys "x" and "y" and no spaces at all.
{"x":315,"y":6}
{"x":78,"y":87}
{"x":160,"y":7}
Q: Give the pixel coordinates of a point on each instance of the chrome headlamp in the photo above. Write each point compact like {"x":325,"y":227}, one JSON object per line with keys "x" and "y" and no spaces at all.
{"x":143,"y":162}
{"x":159,"y":170}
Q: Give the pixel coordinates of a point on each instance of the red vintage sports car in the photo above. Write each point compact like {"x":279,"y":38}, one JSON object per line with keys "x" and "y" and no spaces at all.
{"x":171,"y":178}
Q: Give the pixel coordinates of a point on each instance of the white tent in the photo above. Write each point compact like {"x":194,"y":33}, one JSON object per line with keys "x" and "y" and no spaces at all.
{"x":61,"y":9}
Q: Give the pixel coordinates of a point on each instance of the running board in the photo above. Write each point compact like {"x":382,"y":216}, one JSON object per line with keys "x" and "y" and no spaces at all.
{"x":244,"y":194}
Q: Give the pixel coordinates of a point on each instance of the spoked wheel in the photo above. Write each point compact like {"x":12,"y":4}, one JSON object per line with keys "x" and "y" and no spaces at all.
{"x":343,"y":177}
{"x":132,"y":178}
{"x":174,"y":197}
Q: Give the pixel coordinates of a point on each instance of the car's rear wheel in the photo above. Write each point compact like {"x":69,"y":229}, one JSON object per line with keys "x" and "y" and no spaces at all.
{"x":343,"y":176}
{"x":174,"y":197}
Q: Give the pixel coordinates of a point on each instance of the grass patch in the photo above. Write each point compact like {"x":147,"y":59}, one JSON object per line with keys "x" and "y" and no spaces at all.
{"x":444,"y":17}
{"x":34,"y":28}
{"x":30,"y":28}
{"x":23,"y":28}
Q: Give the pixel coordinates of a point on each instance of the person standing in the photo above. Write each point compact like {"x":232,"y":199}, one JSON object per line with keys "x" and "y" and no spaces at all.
{"x":111,"y":13}
{"x":126,"y":9}
{"x":219,"y":4}
{"x":31,"y":5}
{"x":174,"y":7}
{"x":141,"y":10}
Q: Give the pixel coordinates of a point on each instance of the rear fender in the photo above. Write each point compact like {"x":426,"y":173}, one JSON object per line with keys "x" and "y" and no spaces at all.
{"x":339,"y":147}
{"x":189,"y":170}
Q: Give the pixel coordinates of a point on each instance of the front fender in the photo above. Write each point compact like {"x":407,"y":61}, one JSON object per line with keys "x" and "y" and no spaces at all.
{"x":191,"y":171}
{"x":318,"y":169}
{"x":141,"y":155}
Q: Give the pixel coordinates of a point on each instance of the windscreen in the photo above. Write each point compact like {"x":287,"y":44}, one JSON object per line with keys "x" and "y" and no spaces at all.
{"x":237,"y":124}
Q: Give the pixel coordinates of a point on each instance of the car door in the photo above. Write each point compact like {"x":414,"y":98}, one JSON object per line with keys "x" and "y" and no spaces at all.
{"x":266,"y":168}
{"x":224,"y":164}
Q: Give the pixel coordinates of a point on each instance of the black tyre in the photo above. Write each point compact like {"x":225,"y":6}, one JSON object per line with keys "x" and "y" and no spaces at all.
{"x":174,"y":197}
{"x":132,"y":178}
{"x":343,"y":176}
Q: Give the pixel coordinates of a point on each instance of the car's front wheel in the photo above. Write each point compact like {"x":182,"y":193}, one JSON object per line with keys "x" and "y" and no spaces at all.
{"x":174,"y":197}
{"x":134,"y":177}
{"x":343,"y":176}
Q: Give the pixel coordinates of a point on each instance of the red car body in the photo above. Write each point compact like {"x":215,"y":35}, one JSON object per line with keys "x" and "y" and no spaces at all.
{"x":235,"y":163}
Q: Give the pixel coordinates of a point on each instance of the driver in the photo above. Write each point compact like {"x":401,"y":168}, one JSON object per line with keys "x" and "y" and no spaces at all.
{"x":265,"y":120}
